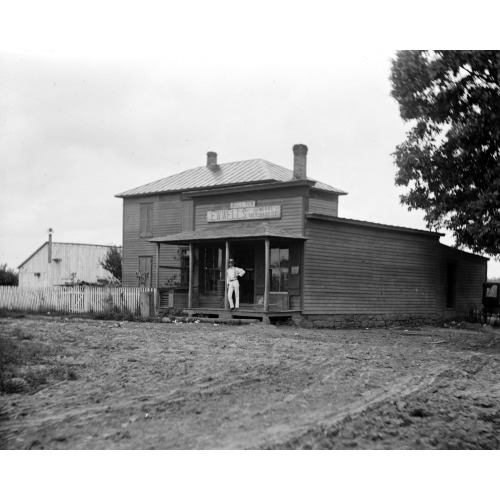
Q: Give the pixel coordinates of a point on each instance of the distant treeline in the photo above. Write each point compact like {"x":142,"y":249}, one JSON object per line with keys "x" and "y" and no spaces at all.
{"x":8,"y":277}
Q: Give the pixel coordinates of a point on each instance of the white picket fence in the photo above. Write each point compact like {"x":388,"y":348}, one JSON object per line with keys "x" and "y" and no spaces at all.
{"x":72,"y":299}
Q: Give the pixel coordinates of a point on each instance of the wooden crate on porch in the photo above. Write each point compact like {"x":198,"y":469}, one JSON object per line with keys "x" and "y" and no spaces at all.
{"x":278,"y":301}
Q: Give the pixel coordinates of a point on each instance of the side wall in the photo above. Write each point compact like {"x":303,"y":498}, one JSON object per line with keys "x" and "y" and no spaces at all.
{"x":363,"y":270}
{"x":323,"y":203}
{"x":166,"y":220}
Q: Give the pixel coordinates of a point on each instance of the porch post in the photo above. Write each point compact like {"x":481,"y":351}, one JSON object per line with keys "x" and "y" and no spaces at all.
{"x":157,"y":292}
{"x":157,"y":266}
{"x":191,"y":276}
{"x":226,"y":265}
{"x":266,"y":275}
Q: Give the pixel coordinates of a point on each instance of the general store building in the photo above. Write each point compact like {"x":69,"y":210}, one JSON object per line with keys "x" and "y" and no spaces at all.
{"x":301,"y":258}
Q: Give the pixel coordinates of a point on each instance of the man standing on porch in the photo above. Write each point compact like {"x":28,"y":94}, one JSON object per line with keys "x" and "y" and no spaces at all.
{"x":233,"y":284}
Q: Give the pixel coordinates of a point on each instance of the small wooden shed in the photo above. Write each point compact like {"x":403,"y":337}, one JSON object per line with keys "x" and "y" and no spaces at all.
{"x":301,"y":258}
{"x":60,"y":263}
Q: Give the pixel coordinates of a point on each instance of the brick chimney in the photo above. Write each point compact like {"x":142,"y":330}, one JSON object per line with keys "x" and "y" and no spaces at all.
{"x":212,"y":161}
{"x":300,"y":161}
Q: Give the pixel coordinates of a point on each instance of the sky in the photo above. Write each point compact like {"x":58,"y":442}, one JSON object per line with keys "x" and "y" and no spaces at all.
{"x":100,"y":97}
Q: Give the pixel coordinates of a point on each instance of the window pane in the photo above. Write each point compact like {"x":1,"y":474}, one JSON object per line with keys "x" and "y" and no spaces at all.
{"x":284,"y":280}
{"x":283,"y":257}
{"x":275,"y":257}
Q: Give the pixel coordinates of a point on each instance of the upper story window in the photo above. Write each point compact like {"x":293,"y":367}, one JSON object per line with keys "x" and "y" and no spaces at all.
{"x":146,"y":220}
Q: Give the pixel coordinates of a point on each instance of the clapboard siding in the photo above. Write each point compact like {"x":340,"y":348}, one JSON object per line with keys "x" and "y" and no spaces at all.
{"x":323,"y":203}
{"x":166,"y":220}
{"x":360,"y":270}
{"x":292,"y":208}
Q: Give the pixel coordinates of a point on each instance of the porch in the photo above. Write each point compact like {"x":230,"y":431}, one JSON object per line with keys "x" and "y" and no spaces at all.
{"x":241,"y":313}
{"x":271,"y":258}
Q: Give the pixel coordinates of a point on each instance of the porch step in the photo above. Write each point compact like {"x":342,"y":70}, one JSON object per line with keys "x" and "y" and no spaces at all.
{"x":231,"y":321}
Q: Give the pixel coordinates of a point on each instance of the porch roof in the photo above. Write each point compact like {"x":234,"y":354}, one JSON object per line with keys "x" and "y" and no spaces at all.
{"x":240,"y":231}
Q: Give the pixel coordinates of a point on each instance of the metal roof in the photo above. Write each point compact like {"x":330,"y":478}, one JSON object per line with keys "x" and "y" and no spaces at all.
{"x":375,"y":225}
{"x":58,"y":244}
{"x":242,"y":231}
{"x":227,"y":174}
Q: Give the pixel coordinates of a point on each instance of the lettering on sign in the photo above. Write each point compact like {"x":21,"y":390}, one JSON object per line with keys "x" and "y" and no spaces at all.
{"x":249,"y":213}
{"x":242,"y":204}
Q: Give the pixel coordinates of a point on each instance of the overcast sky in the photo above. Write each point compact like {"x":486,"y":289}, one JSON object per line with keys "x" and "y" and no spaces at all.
{"x":98,"y":98}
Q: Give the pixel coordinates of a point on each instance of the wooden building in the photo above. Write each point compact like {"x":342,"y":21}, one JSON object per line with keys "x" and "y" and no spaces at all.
{"x":60,"y":263}
{"x":301,"y":258}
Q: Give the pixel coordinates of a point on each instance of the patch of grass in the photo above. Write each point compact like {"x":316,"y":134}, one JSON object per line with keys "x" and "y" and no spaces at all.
{"x":5,"y":313}
{"x":26,"y":366}
{"x":8,"y":351}
{"x":111,"y":314}
{"x":35,"y":377}
{"x":21,"y":335}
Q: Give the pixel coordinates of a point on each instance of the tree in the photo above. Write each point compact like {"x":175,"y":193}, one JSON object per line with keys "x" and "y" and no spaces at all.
{"x":112,"y":262}
{"x":8,"y":277}
{"x":451,"y":157}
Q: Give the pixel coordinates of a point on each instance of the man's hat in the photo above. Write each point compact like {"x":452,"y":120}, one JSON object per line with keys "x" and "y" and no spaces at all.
{"x":231,"y":260}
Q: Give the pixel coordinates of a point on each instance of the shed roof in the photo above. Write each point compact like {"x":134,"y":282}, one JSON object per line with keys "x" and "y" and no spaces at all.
{"x":374,"y":225}
{"x":242,"y":231}
{"x":227,"y":174}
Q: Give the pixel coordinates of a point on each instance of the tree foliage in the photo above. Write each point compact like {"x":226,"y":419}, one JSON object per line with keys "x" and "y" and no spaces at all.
{"x":8,"y":277}
{"x":112,"y":262}
{"x":450,"y":160}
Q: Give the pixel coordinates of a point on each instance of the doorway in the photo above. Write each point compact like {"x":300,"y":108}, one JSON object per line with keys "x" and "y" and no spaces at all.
{"x":244,"y":256}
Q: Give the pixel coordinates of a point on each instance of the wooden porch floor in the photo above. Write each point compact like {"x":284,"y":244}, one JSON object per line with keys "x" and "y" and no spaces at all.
{"x":241,"y":313}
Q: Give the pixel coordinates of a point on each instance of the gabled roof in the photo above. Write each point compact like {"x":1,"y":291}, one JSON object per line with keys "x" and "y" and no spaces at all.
{"x":58,"y":244}
{"x":242,"y":231}
{"x":227,"y":174}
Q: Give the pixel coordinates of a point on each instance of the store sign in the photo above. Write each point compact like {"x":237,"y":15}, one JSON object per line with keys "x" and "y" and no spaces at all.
{"x":246,"y":213}
{"x":242,"y":204}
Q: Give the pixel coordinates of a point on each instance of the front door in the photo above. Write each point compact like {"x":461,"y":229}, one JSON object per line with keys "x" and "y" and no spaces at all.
{"x":244,"y":255}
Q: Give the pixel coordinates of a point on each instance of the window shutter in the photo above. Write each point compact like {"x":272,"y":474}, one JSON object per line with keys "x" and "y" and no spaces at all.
{"x":146,"y":220}
{"x":149,"y":224}
{"x":187,"y":215}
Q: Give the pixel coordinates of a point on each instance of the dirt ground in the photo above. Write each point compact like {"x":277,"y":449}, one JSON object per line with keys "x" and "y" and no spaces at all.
{"x":87,"y":384}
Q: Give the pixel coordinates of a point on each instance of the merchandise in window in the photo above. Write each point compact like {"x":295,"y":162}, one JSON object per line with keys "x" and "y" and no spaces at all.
{"x":279,"y":269}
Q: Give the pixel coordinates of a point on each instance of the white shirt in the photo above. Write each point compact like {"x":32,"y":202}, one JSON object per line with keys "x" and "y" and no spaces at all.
{"x":233,"y":273}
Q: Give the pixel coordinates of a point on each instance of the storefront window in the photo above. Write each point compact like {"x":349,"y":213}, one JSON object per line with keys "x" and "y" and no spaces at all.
{"x":279,"y":269}
{"x":212,"y":264}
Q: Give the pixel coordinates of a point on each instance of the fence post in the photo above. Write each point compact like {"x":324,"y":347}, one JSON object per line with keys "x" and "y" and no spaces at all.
{"x":86,"y":299}
{"x":147,"y":304}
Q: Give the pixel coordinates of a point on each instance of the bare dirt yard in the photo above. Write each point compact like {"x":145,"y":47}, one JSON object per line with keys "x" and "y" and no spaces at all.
{"x":72,"y":383}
